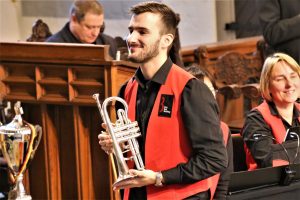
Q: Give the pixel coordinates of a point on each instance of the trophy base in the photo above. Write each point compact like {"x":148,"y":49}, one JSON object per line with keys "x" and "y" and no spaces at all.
{"x":12,"y":195}
{"x":18,"y":192}
{"x":122,"y":179}
{"x":26,"y":197}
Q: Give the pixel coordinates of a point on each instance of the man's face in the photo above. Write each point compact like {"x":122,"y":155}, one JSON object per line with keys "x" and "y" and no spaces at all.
{"x":88,"y":29}
{"x":144,"y":39}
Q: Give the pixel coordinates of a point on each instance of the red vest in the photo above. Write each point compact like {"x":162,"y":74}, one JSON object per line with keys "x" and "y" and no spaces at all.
{"x":278,"y":131}
{"x":215,"y":178}
{"x":167,"y":143}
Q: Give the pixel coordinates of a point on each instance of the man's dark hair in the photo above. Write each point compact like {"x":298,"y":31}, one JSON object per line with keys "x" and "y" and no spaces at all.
{"x":168,"y":16}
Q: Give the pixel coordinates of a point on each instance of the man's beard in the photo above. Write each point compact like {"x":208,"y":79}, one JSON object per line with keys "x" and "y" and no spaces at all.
{"x":143,"y":57}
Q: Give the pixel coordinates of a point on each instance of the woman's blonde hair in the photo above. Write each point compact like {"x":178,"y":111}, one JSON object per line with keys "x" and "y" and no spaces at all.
{"x":267,"y":69}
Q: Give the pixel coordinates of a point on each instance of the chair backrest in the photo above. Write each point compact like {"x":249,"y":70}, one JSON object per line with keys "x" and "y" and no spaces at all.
{"x":40,"y":32}
{"x":233,"y":61}
{"x":212,"y":51}
{"x":235,"y":66}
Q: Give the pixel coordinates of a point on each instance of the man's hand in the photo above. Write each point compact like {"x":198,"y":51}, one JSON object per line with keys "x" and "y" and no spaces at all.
{"x":142,"y":178}
{"x":105,"y":141}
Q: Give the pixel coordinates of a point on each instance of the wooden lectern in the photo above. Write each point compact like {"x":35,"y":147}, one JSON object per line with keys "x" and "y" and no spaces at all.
{"x":55,"y":83}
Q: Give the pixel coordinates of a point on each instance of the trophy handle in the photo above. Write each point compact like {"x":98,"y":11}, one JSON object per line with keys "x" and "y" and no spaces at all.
{"x":31,"y":148}
{"x":37,"y":139}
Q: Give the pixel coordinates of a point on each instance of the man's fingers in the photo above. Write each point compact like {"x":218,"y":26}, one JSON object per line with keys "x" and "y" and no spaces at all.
{"x":134,"y":172}
{"x":128,"y":183}
{"x":104,"y":126}
{"x":104,"y":136}
{"x":107,"y":149}
{"x":105,"y":142}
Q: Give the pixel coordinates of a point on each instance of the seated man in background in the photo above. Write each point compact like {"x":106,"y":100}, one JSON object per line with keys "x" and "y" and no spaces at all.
{"x":218,"y":191}
{"x":86,"y":21}
{"x":266,"y":124}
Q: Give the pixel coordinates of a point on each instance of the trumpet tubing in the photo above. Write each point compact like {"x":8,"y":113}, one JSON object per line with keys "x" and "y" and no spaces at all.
{"x":123,"y":131}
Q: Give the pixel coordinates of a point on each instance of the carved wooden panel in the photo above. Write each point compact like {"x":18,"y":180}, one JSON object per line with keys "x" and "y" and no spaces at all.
{"x":234,"y":68}
{"x":234,"y":65}
{"x":201,"y":53}
{"x":237,"y":77}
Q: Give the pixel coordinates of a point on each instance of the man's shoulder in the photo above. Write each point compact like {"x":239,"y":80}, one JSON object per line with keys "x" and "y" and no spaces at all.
{"x":57,"y":37}
{"x":181,"y":72}
{"x":107,"y":39}
{"x":122,"y":89}
{"x":60,"y":36}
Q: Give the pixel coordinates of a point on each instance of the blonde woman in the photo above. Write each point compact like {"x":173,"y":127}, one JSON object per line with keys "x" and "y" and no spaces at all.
{"x":267,"y":124}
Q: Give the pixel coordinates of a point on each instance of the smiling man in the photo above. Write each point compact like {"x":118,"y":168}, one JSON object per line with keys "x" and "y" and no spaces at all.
{"x":86,"y":21}
{"x":181,"y":141}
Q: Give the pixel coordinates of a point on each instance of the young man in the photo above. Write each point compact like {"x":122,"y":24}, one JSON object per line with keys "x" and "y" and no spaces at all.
{"x":86,"y":21}
{"x":181,"y":143}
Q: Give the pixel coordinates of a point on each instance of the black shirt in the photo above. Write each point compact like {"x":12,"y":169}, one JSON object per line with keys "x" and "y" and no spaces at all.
{"x":255,"y":124}
{"x":66,"y":36}
{"x":199,"y":112}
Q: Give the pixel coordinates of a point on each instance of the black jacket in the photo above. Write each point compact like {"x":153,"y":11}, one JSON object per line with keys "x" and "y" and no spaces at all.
{"x":66,"y":36}
{"x":261,"y":149}
{"x":280,"y":20}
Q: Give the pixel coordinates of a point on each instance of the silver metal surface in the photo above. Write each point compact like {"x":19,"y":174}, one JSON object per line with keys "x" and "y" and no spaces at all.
{"x":123,"y":133}
{"x":19,"y":141}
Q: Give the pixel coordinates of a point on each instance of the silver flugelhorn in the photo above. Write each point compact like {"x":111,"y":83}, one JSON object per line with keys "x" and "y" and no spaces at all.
{"x":123,"y":131}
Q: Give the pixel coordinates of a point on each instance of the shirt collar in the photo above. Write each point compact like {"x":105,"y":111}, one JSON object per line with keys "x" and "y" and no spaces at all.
{"x":69,"y":33}
{"x":160,"y":77}
{"x":274,"y":111}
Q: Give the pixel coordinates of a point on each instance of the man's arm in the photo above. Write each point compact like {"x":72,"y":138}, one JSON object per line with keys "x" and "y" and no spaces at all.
{"x":277,"y":29}
{"x":200,"y":116}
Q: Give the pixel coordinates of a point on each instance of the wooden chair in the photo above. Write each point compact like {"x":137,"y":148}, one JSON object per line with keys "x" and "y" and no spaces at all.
{"x":40,"y":32}
{"x":235,"y":65}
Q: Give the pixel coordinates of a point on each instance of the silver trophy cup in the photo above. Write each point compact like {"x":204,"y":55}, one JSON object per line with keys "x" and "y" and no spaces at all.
{"x":19,"y":141}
